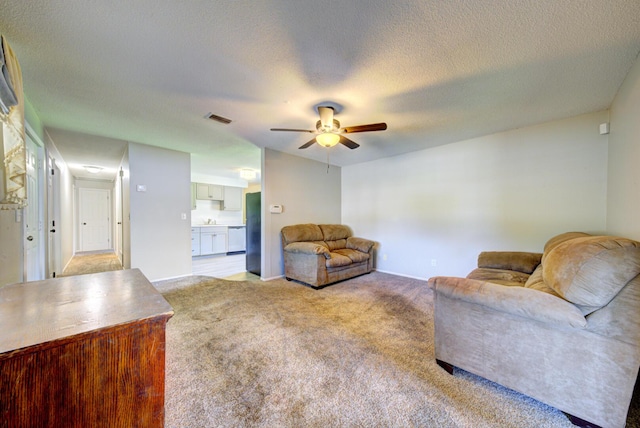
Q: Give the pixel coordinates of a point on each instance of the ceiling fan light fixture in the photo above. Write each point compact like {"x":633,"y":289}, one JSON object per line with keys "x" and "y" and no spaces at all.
{"x":327,"y":139}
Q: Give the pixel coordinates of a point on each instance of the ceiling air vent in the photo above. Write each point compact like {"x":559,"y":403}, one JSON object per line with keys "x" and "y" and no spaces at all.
{"x":218,"y":118}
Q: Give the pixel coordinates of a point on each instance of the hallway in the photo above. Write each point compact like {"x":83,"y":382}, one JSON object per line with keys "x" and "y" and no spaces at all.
{"x":92,"y":262}
{"x":223,"y":267}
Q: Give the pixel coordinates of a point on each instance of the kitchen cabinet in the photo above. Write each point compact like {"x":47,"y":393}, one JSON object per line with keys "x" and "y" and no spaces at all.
{"x":193,"y":196}
{"x":195,"y":241}
{"x":232,"y":198}
{"x":211,"y":192}
{"x":213,"y":240}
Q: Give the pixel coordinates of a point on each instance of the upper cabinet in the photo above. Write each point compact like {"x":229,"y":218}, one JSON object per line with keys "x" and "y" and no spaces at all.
{"x":211,"y":192}
{"x":232,"y":198}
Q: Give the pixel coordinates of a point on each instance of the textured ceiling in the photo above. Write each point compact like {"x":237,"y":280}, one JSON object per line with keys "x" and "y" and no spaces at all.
{"x":437,"y":71}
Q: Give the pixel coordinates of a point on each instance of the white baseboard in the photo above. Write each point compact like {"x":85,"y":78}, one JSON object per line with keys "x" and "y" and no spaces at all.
{"x":402,"y":275}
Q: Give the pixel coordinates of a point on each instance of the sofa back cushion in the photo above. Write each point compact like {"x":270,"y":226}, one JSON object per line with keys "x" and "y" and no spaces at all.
{"x":589,"y":271}
{"x":302,"y":232}
{"x":559,"y":239}
{"x":335,"y":235}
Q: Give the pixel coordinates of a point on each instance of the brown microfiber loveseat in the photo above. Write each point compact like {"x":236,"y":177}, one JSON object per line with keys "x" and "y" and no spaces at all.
{"x":321,"y":254}
{"x":562,"y":326}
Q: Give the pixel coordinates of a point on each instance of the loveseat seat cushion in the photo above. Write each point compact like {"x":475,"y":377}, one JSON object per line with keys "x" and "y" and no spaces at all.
{"x":536,"y":282}
{"x":590,"y":271}
{"x":499,"y":276}
{"x":338,"y":260}
{"x":354,"y":255}
{"x":524,"y":262}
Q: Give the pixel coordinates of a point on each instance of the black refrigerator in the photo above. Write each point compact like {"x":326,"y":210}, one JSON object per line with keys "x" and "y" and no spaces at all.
{"x":252,"y":205}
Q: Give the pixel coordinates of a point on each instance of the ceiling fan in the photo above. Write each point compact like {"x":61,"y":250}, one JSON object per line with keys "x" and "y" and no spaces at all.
{"x":329,"y":132}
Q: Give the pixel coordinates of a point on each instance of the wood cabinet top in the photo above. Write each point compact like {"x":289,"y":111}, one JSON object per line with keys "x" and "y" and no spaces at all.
{"x":38,"y":312}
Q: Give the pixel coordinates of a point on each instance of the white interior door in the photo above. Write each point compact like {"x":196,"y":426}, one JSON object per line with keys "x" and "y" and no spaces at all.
{"x":94,"y":219}
{"x":33,"y":243}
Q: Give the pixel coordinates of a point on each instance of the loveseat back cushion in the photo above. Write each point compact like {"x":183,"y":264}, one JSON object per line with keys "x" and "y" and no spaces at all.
{"x":301,"y":232}
{"x":335,"y":235}
{"x":590,"y":271}
{"x":334,"y":232}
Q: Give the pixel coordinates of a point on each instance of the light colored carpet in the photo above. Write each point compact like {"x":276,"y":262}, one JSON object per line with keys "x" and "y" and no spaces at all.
{"x":355,"y":354}
{"x":84,"y":263}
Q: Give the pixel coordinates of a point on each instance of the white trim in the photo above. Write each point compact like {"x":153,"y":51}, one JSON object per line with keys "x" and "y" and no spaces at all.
{"x":401,"y":274}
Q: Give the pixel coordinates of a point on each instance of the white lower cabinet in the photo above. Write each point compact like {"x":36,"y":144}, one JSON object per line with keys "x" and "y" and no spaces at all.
{"x":213,"y":240}
{"x":195,"y":241}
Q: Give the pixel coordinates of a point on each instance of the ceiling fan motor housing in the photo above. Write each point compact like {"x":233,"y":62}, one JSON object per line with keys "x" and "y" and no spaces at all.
{"x":334,"y":128}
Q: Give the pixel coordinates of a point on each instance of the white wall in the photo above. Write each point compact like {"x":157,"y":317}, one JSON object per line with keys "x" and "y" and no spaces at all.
{"x":211,"y":210}
{"x":65,"y":226}
{"x":160,"y":238}
{"x":308,"y":193}
{"x":126,"y":210}
{"x":507,"y":191}
{"x":623,"y":198}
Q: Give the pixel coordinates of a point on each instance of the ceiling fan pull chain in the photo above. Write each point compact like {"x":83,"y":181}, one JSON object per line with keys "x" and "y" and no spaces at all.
{"x":328,"y":161}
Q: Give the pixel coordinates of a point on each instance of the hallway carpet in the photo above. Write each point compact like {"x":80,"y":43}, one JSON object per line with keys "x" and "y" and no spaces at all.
{"x":94,"y":262}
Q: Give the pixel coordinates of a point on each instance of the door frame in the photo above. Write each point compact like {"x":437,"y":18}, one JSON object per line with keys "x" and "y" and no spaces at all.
{"x":54,"y":227}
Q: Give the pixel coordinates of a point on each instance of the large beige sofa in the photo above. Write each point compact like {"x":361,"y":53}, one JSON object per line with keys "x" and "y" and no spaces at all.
{"x":562,"y":326}
{"x":323,"y":254}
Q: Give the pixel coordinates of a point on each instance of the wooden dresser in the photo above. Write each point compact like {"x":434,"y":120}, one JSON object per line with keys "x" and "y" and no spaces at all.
{"x":83,"y":351}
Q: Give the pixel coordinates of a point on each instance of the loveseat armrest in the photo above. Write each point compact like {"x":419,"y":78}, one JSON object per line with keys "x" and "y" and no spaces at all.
{"x":519,"y":301}
{"x":308,"y":248}
{"x":360,"y":244}
{"x":510,"y":260}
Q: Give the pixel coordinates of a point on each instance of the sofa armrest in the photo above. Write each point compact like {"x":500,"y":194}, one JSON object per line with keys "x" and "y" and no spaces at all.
{"x":519,"y":301}
{"x":308,"y":248}
{"x":510,"y":260}
{"x":359,"y":244}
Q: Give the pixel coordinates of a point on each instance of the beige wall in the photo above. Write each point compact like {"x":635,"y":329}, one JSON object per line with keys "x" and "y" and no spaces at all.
{"x":507,"y":191}
{"x":160,"y":237}
{"x":308,"y":193}
{"x":623,"y":196}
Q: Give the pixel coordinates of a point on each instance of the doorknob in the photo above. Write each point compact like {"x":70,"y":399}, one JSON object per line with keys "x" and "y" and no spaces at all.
{"x":52,"y":231}
{"x":29,"y":238}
